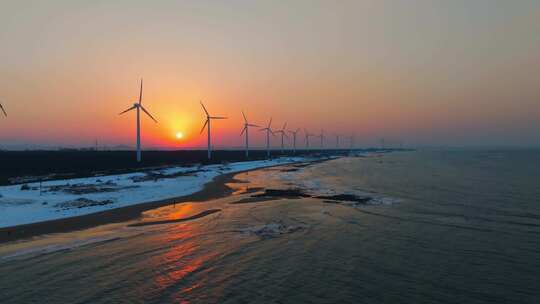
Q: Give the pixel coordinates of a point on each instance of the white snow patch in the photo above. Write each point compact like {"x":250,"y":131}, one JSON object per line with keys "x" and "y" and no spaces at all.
{"x":19,"y":207}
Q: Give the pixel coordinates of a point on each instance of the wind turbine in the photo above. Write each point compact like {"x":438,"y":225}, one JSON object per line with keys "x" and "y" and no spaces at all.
{"x":245,"y":130}
{"x":283,"y":133}
{"x":207,"y":122}
{"x":138,"y":106}
{"x":321,"y":136}
{"x":268,"y":132}
{"x":308,"y":135}
{"x":351,"y":138}
{"x":3,"y":110}
{"x":294,"y":133}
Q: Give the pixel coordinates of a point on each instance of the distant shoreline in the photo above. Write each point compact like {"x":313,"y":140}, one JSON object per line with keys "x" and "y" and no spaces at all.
{"x":20,"y":167}
{"x":214,"y":189}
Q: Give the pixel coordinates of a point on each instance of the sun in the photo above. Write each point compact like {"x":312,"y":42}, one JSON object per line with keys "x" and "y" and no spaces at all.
{"x":179,"y":135}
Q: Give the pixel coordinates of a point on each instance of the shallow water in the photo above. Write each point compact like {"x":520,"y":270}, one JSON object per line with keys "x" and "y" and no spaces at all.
{"x":444,"y":227}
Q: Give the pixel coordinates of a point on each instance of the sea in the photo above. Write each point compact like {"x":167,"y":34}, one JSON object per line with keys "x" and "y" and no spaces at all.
{"x":426,"y":226}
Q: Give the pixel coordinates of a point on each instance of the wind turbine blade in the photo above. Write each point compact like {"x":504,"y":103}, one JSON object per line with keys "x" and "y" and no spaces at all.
{"x":263,"y":129}
{"x":218,"y":117}
{"x":3,"y":110}
{"x":132,"y":108}
{"x":252,"y":125}
{"x":140,"y":93}
{"x":243,"y":130}
{"x":284,"y":126}
{"x":203,"y":127}
{"x":144,"y":110}
{"x":270,"y":122}
{"x":204,"y":108}
{"x":245,"y":119}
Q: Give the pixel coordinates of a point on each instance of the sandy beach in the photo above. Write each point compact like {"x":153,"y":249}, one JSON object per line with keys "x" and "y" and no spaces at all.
{"x":216,"y":188}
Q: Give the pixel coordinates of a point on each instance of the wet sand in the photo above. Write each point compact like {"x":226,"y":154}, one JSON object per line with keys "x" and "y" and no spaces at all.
{"x":217,"y":188}
{"x":189,"y":218}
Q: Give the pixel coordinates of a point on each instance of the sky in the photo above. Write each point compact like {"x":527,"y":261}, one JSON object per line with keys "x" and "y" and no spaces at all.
{"x":417,"y":72}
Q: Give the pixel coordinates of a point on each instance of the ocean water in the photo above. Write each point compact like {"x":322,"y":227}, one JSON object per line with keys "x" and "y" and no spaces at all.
{"x":442,"y":227}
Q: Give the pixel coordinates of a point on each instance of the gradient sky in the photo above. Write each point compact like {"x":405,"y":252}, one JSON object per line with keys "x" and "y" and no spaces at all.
{"x":423,"y":72}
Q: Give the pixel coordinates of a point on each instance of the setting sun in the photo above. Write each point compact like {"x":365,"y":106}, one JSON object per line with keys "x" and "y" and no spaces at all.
{"x":179,"y":135}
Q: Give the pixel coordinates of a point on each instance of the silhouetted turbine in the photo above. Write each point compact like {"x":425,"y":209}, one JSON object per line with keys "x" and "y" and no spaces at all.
{"x":351,"y":138}
{"x":138,"y":106}
{"x":294,"y":133}
{"x":307,"y":136}
{"x":321,"y":136}
{"x":246,"y":131}
{"x":207,"y":123}
{"x":268,"y":132}
{"x":283,"y":135}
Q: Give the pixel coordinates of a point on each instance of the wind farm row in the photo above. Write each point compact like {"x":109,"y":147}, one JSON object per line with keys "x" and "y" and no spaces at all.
{"x":269,"y":132}
{"x":289,"y":138}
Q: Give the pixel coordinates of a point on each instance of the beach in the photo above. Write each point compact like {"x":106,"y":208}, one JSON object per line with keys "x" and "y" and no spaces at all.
{"x":211,"y":184}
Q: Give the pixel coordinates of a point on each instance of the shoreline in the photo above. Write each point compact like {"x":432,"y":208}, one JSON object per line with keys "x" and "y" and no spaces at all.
{"x":214,"y":189}
{"x":23,"y":167}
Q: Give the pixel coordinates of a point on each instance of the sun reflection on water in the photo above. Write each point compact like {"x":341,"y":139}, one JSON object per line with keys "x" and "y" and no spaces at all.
{"x":185,"y":253}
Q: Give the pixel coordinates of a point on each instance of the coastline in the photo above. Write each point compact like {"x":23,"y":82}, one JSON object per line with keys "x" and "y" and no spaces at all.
{"x":216,"y":188}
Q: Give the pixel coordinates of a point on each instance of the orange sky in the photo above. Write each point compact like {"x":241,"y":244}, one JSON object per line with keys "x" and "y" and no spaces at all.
{"x":418,"y":72}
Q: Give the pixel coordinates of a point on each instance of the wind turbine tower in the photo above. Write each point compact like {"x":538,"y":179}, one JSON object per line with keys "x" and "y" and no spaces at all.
{"x":294,"y":134}
{"x":321,"y":136}
{"x":246,"y":131}
{"x":138,"y":106}
{"x":307,"y":135}
{"x":207,"y":123}
{"x":268,"y":132}
{"x":283,"y":133}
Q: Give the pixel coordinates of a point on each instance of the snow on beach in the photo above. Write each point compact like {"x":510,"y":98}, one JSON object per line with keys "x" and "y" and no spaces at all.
{"x":32,"y":203}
